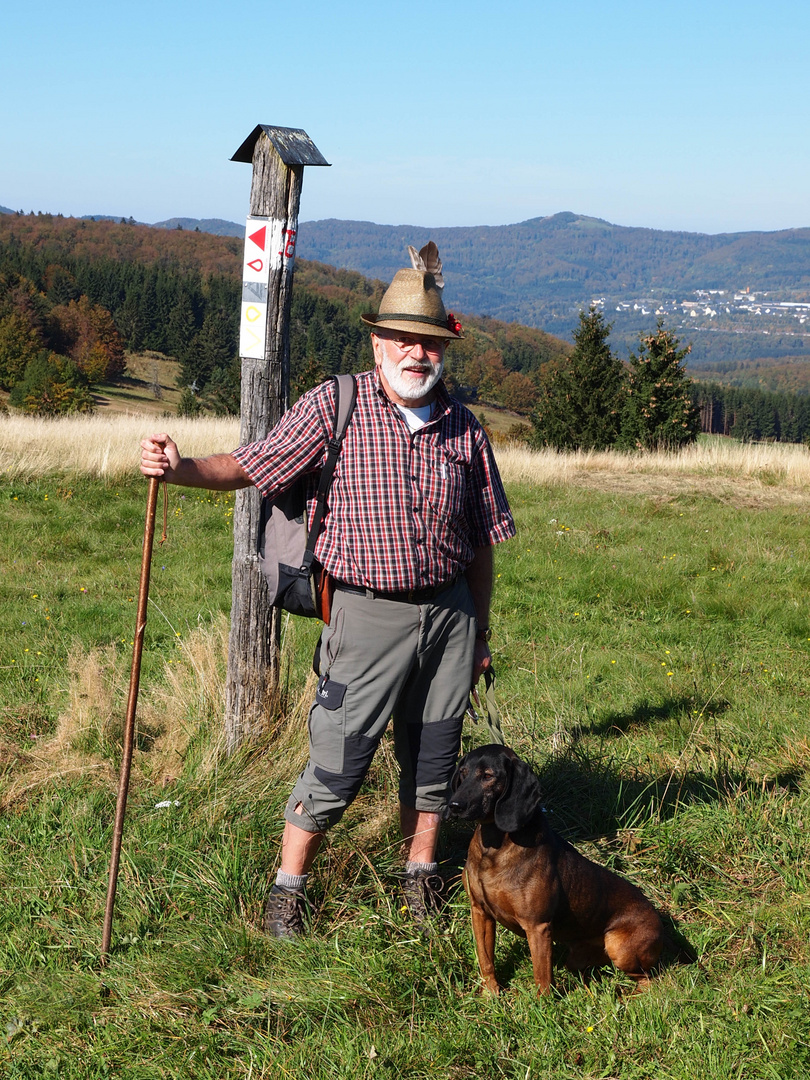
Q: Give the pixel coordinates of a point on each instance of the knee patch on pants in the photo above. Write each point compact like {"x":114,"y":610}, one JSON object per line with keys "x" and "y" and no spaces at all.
{"x":357,"y":755}
{"x":427,"y":756}
{"x":325,"y":794}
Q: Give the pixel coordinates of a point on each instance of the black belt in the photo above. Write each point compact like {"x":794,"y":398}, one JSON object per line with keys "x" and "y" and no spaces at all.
{"x":407,"y":596}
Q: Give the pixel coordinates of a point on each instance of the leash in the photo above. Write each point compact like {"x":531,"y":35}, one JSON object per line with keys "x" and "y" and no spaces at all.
{"x":493,"y":714}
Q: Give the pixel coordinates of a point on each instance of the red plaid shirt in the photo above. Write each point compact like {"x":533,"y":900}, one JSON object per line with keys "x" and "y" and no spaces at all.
{"x":406,"y":510}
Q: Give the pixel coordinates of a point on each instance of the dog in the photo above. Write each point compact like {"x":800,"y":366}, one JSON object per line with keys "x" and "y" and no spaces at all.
{"x":521,"y":874}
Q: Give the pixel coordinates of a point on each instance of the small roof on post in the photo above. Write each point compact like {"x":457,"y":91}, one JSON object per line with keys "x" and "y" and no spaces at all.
{"x":292,"y":145}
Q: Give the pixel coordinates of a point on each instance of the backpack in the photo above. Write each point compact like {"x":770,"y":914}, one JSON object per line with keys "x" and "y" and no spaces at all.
{"x":297,"y":583}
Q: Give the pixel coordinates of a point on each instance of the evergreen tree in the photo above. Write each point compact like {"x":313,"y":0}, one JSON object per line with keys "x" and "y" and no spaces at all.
{"x":658,"y":409}
{"x":579,"y":403}
{"x":213,"y":349}
{"x":182,"y":324}
{"x":52,"y":385}
{"x":188,"y":405}
{"x":130,"y":321}
{"x":150,"y":311}
{"x":223,"y":392}
{"x":19,"y":344}
{"x":743,"y":422}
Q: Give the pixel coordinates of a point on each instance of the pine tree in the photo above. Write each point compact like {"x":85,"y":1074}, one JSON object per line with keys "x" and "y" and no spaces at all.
{"x":658,"y":409}
{"x":19,"y":343}
{"x":223,"y":391}
{"x":578,"y":406}
{"x":212,"y":349}
{"x":52,"y":385}
{"x":188,"y":405}
{"x":182,"y":325}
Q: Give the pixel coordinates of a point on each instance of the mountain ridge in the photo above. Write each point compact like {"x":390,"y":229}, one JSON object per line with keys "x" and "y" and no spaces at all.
{"x":542,"y":271}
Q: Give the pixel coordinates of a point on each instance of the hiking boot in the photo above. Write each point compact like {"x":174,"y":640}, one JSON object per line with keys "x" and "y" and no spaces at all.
{"x":284,"y":913}
{"x":424,"y":895}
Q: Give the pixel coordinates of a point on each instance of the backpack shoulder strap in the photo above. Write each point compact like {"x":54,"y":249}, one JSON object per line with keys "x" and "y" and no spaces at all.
{"x":345,"y":401}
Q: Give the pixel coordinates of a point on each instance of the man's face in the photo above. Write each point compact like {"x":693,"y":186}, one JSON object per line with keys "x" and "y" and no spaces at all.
{"x":410,"y":365}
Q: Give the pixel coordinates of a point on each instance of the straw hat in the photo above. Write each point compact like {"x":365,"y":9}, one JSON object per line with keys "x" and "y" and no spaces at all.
{"x":413,"y":304}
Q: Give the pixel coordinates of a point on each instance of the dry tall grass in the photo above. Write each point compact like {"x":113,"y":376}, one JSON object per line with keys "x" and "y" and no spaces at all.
{"x":107,"y":446}
{"x":104,"y":446}
{"x":183,"y":709}
{"x":773,"y":471}
{"x":178,"y":728}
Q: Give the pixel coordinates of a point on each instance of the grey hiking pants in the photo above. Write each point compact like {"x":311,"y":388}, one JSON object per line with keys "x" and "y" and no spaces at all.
{"x":381,"y":659}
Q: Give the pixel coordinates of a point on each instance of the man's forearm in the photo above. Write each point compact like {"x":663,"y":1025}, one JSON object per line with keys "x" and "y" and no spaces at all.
{"x":219,"y":472}
{"x":480,"y":576}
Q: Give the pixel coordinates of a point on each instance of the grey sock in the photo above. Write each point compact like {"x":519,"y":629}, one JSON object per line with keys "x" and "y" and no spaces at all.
{"x":421,"y":867}
{"x":291,"y":882}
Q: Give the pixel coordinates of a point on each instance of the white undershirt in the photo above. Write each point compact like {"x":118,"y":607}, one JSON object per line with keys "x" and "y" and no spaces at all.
{"x":416,"y":418}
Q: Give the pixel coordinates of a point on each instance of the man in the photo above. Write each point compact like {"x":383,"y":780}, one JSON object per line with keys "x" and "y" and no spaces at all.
{"x":415,"y":508}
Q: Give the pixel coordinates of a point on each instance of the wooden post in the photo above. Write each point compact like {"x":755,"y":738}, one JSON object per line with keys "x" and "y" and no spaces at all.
{"x":278,"y":156}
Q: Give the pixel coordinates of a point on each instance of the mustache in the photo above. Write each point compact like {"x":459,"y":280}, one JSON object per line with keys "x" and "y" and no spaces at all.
{"x":416,"y":365}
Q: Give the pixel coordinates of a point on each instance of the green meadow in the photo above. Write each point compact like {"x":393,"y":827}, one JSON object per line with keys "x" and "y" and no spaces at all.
{"x":652,"y":645}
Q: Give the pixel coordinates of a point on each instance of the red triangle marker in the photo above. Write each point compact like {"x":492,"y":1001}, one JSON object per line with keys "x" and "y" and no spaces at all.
{"x":259,"y":237}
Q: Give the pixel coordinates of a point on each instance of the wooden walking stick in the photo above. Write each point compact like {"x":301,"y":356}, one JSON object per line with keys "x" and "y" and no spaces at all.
{"x":132,"y":703}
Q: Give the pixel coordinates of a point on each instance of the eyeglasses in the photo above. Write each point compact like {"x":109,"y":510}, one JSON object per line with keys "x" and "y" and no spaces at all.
{"x":430,"y":345}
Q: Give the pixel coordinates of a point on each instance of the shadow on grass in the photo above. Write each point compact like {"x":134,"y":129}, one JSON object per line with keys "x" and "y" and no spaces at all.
{"x":644,"y":713}
{"x":588,"y":799}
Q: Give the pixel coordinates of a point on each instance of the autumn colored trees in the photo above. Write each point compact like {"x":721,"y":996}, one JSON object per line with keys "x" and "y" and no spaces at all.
{"x":89,"y":309}
{"x":51,"y":384}
{"x":51,"y":356}
{"x":86,"y":291}
{"x":87,"y":334}
{"x":75,"y":295}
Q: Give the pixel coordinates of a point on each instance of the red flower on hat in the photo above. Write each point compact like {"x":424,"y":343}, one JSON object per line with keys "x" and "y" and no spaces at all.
{"x":453,"y":323}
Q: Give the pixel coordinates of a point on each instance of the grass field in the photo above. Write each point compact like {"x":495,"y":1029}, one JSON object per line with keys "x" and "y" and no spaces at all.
{"x":652,"y":642}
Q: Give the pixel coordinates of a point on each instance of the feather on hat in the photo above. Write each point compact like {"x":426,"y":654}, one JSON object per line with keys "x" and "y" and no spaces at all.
{"x":412,"y":303}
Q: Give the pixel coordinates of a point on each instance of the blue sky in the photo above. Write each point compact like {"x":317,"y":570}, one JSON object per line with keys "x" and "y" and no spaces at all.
{"x":688,"y":115}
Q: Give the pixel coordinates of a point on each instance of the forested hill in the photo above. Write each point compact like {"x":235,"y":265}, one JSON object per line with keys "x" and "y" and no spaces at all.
{"x":709,"y":288}
{"x":87,"y":239}
{"x":495,"y":269}
{"x":90,"y":289}
{"x":738,"y":298}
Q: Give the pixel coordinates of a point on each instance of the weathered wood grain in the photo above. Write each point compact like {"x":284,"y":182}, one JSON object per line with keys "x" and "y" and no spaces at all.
{"x":253,"y":646}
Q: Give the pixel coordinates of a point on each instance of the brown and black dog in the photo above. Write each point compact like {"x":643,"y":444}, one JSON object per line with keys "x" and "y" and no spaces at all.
{"x":521,"y":874}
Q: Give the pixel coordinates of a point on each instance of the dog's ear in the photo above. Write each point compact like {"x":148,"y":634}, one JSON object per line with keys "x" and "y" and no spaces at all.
{"x":521,"y":799}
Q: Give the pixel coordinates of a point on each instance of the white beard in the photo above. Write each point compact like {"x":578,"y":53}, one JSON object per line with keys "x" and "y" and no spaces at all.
{"x":405,"y":386}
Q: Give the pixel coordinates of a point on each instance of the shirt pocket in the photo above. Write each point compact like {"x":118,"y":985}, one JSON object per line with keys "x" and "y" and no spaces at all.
{"x":444,"y":485}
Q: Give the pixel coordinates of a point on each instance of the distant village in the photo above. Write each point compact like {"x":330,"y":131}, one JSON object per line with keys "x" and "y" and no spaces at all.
{"x":721,"y":309}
